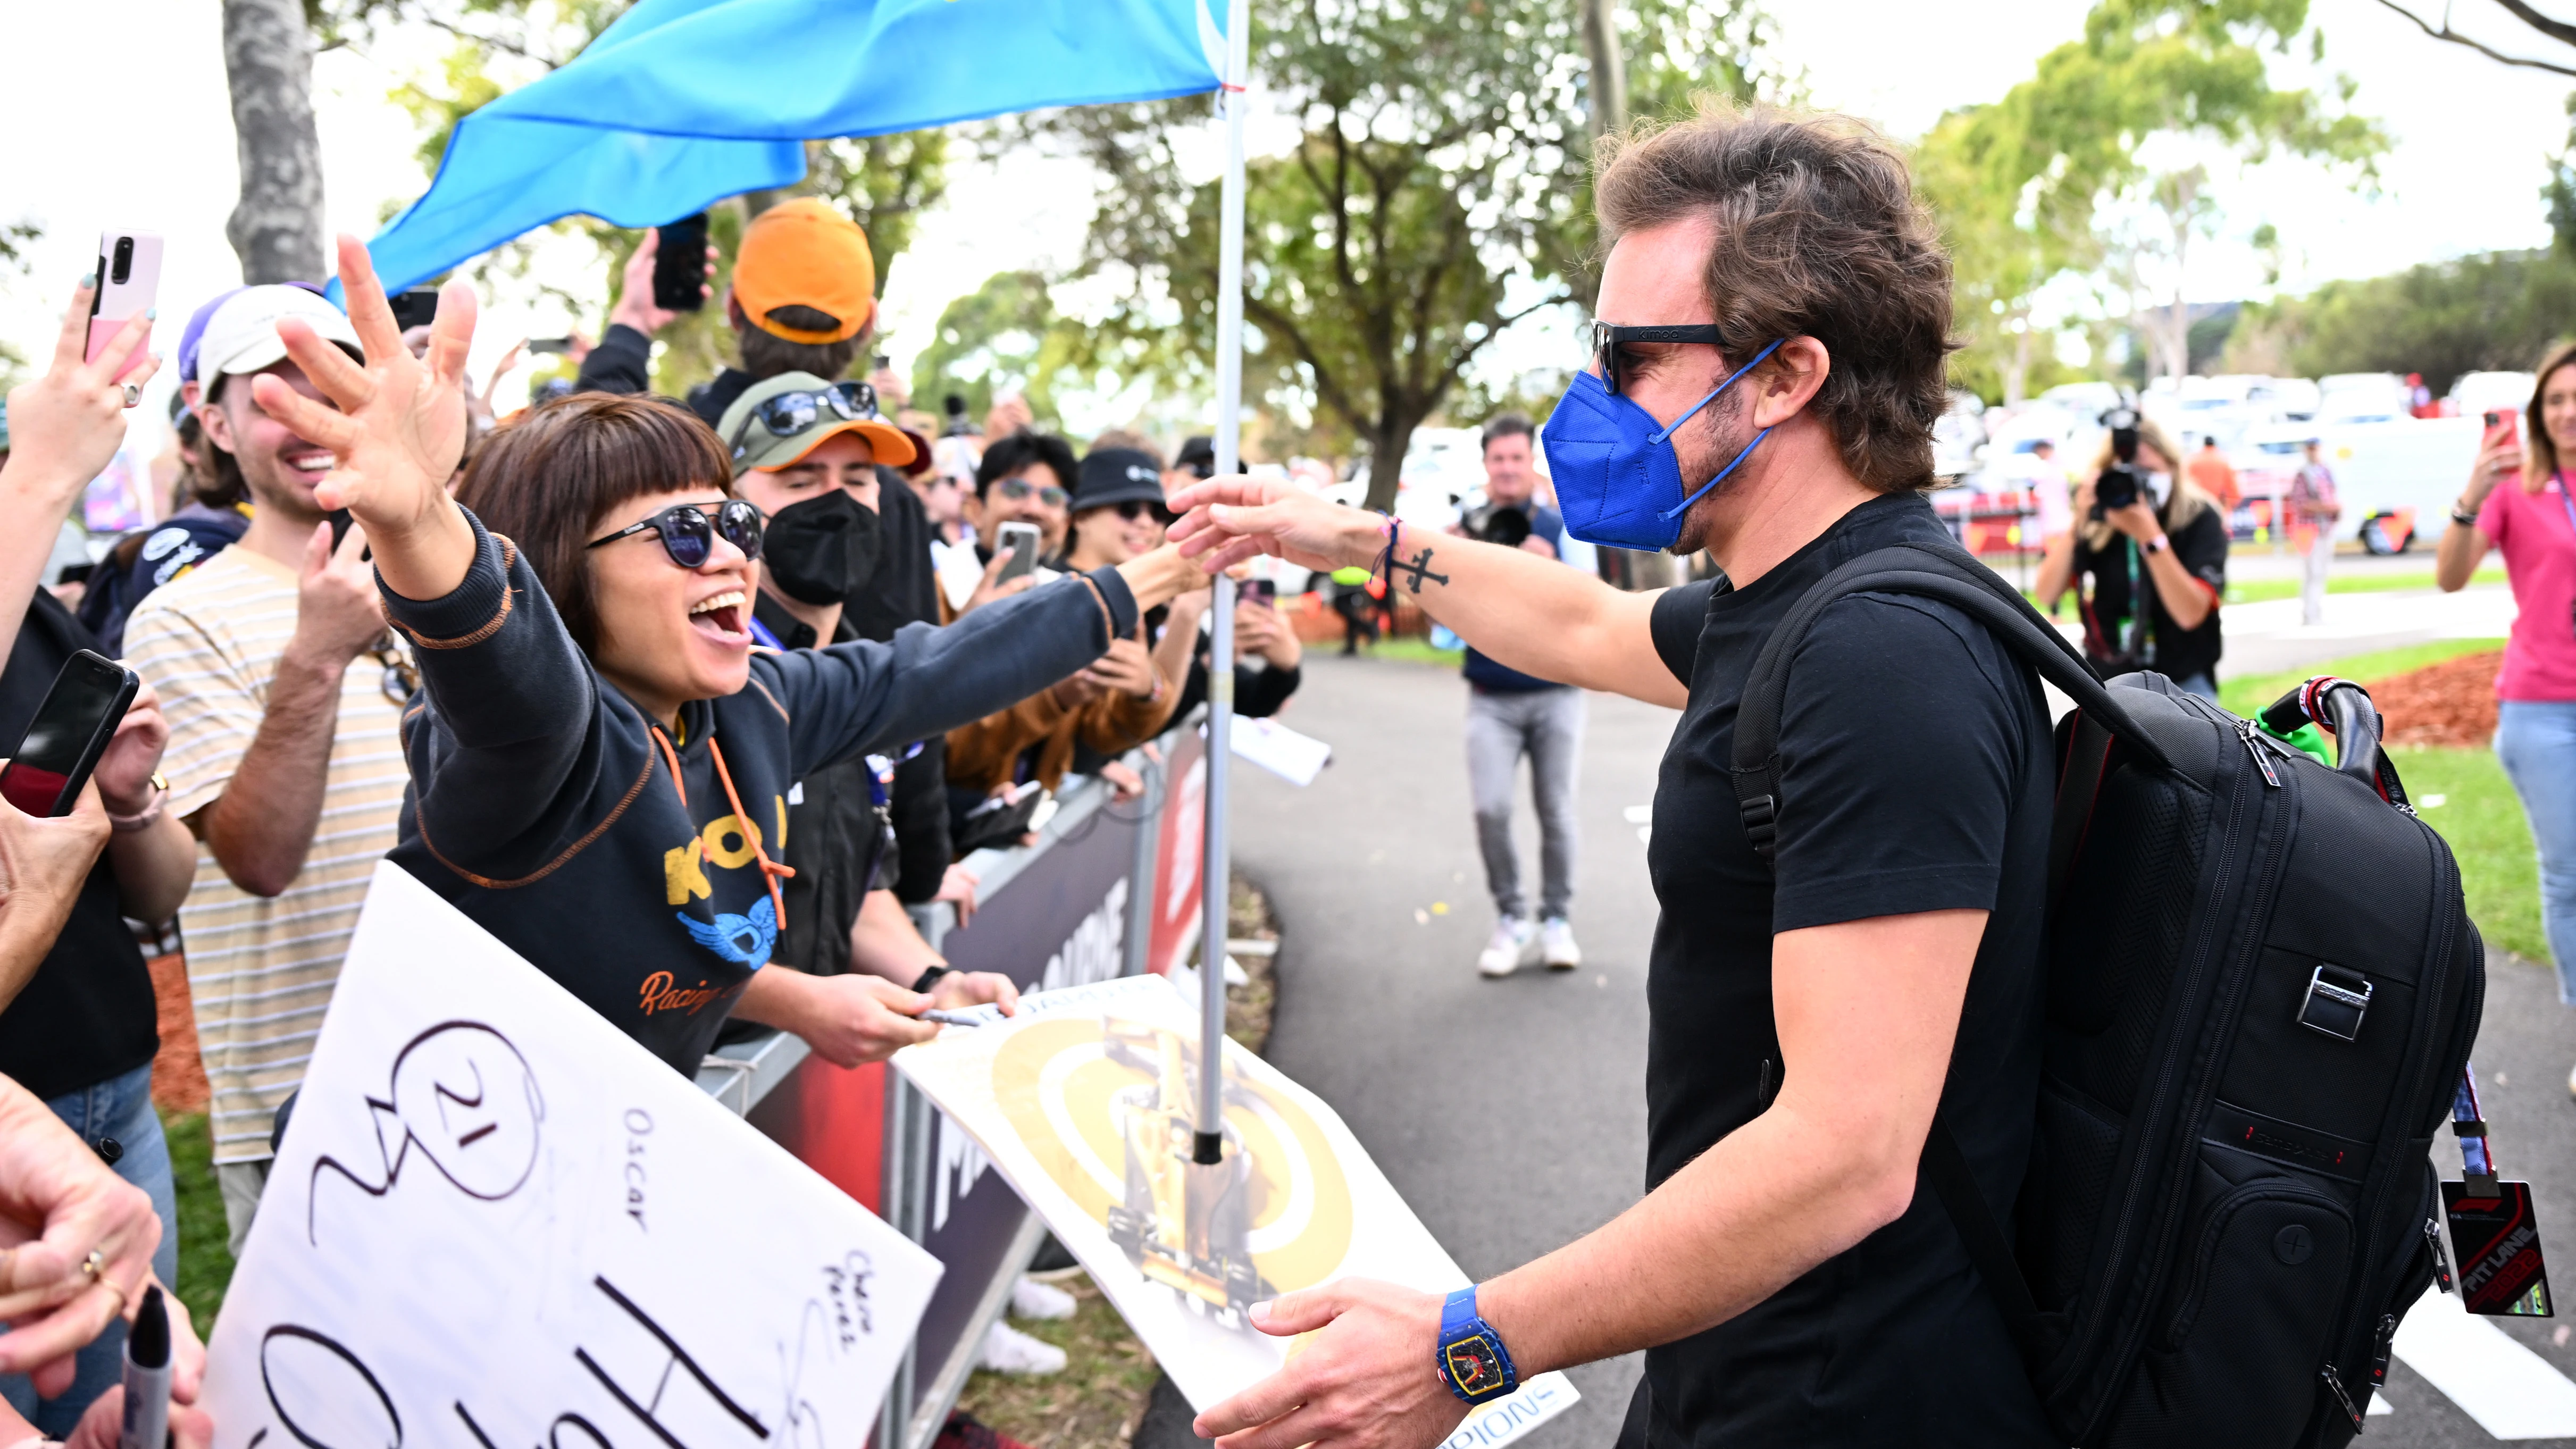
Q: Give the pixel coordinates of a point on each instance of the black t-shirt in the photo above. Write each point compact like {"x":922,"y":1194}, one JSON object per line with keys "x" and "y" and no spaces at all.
{"x":2200,"y":546}
{"x":87,"y":1013}
{"x":836,"y":836}
{"x":1915,"y":776}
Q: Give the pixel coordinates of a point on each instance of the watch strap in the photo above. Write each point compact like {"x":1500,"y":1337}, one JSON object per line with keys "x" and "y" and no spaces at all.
{"x":2465,"y":517}
{"x":929,"y":977}
{"x":1458,"y":1313}
{"x":2157,"y":544}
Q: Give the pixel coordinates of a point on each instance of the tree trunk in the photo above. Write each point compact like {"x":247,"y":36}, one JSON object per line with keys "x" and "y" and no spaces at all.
{"x":1609,"y":109}
{"x":276,"y":227}
{"x":1388,"y":442}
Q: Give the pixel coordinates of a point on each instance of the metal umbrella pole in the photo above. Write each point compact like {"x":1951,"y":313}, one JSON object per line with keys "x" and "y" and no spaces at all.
{"x":1208,"y":1143}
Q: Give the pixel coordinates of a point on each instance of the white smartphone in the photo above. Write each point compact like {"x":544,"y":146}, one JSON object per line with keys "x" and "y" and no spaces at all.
{"x":1020,"y":541}
{"x":129,"y":275}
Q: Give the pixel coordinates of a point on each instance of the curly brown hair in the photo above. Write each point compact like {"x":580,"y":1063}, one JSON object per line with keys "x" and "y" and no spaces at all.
{"x":546,"y":477}
{"x":1819,"y":234}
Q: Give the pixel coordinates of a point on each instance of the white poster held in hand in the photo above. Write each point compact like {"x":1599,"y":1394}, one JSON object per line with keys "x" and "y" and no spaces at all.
{"x":494,"y":1219}
{"x":1085,"y":1102}
{"x":1293,"y":757}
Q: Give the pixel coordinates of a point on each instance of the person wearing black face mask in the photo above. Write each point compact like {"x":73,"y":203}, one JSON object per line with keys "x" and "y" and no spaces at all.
{"x":814,"y":471}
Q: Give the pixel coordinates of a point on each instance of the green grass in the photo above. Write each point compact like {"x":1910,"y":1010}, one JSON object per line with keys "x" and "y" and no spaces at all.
{"x":1414,"y":650}
{"x":2258,"y":590}
{"x":205,"y":1263}
{"x":2482,"y":819}
{"x":2248,"y":693}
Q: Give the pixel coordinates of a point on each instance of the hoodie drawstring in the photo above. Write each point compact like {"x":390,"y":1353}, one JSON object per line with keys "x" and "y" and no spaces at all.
{"x":770,"y":870}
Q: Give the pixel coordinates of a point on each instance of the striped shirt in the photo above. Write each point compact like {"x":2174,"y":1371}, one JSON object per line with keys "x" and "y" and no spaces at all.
{"x":261,"y":970}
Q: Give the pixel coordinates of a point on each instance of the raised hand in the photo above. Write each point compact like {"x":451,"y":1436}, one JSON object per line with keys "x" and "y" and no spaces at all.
{"x":67,"y":424}
{"x":399,"y":432}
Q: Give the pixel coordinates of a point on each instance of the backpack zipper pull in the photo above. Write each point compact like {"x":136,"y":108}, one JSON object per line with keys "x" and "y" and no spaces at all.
{"x":2441,"y":1255}
{"x":2379,"y":1349}
{"x":2254,"y":747}
{"x":2334,"y":1383}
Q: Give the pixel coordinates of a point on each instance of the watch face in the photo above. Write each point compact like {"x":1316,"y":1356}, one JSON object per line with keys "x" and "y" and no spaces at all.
{"x":1473,"y":1366}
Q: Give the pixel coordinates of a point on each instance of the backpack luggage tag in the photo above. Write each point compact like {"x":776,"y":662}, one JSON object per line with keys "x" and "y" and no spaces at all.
{"x":2494,"y":1238}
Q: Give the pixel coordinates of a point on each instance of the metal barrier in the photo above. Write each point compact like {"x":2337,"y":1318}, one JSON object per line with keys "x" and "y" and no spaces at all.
{"x":1109,"y":890}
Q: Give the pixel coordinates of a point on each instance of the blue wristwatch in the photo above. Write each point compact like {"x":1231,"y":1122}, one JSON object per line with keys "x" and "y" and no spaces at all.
{"x":1473,"y":1362}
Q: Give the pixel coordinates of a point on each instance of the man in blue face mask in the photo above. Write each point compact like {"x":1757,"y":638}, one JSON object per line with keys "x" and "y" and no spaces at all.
{"x":1774,"y":311}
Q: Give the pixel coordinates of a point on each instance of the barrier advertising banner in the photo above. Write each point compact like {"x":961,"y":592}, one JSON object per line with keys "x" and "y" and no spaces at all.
{"x":1084,"y":1104}
{"x":496,"y":1220}
{"x":1179,"y":853}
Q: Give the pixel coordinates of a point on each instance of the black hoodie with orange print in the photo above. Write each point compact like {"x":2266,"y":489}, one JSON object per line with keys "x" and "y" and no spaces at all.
{"x":633,"y":865}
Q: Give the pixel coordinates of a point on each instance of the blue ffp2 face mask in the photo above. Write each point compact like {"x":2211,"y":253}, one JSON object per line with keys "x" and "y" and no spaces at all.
{"x":1618,"y":480}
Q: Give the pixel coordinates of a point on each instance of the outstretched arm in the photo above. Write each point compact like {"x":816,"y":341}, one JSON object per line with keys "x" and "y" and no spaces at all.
{"x":1531,"y":613}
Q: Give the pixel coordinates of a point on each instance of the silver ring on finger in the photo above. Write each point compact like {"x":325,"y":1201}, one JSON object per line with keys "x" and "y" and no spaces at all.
{"x":93,"y":1266}
{"x":133,"y":393}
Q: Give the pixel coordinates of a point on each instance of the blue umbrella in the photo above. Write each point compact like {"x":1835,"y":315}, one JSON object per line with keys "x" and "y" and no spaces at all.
{"x":681,"y":103}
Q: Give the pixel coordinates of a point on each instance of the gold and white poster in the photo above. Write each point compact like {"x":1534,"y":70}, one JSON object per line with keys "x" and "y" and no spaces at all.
{"x":1086,"y":1102}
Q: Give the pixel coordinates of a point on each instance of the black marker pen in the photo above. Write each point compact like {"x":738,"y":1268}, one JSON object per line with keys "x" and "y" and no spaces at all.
{"x":147,"y":1375}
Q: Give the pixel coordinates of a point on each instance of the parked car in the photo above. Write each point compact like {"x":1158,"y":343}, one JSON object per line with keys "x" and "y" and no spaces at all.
{"x":2473,"y":393}
{"x":2362,"y":397}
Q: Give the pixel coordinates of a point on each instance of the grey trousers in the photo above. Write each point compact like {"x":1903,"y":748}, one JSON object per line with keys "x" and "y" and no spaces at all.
{"x":1547,"y":726}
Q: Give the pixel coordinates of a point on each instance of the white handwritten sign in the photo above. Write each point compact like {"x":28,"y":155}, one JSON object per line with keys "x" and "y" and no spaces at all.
{"x":495,"y":1220}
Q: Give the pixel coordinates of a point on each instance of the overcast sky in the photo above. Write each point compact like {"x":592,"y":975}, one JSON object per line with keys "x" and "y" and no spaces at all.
{"x":2472,"y":139}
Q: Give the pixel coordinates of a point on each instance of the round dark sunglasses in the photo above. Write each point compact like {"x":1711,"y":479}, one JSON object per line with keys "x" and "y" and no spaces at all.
{"x":1134,"y":508}
{"x":689,"y":535}
{"x":1018,"y":489}
{"x":790,"y":413}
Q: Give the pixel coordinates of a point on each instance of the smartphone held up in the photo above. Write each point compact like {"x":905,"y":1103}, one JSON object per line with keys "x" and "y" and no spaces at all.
{"x":129,"y":275}
{"x":72,"y":728}
{"x":680,"y":264}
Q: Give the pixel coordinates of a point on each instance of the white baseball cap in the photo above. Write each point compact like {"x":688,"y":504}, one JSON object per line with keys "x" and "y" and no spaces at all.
{"x":242,"y":334}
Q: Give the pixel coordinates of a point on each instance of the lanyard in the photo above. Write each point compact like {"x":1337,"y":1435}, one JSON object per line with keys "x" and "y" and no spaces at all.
{"x":760,"y":634}
{"x":2470,"y":1125}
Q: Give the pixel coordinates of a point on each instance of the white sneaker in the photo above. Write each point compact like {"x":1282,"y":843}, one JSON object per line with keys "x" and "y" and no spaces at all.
{"x":1556,"y":945}
{"x":1033,"y":1299}
{"x":1009,"y":1351}
{"x":1514,"y":944}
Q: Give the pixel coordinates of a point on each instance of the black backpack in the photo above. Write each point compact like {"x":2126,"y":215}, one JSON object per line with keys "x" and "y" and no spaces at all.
{"x":2262,"y":986}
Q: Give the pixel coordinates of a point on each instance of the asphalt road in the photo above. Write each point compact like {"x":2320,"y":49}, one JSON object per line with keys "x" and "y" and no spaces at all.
{"x":1511,"y":1114}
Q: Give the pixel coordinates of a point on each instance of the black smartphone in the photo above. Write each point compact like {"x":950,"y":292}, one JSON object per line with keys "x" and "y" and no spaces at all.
{"x":1264,"y":592}
{"x":549,"y":346}
{"x":415,"y":308}
{"x":339,"y":527}
{"x":45,"y":773}
{"x":680,"y":265}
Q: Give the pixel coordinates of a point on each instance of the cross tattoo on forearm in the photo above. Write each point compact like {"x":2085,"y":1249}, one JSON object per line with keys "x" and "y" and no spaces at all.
{"x":1419,"y":568}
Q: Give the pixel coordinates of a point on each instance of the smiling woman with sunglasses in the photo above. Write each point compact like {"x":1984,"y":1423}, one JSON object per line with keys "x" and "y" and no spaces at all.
{"x":600,"y":763}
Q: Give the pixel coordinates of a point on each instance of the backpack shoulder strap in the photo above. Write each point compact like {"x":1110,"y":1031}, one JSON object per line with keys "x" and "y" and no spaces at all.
{"x":1957,"y":580}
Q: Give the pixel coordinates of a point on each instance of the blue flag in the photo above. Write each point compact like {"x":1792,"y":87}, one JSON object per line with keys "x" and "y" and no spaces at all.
{"x":682,"y":103}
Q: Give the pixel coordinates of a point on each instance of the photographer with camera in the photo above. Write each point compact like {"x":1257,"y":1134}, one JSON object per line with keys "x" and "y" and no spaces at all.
{"x":2154,"y":549}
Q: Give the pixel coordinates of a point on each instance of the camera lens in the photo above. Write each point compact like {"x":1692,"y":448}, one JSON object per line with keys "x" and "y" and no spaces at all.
{"x":124,"y":264}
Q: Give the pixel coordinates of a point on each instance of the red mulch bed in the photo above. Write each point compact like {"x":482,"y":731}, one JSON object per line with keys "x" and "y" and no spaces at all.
{"x":2450,"y":703}
{"x":178,"y":1076}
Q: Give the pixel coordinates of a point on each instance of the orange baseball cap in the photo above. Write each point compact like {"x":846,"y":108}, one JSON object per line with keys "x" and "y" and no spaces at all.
{"x":803,"y":253}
